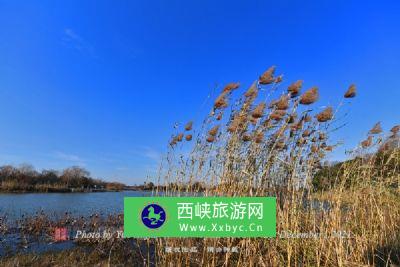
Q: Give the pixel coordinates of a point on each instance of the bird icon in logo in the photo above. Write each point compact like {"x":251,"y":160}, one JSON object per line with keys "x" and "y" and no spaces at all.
{"x":153,"y":216}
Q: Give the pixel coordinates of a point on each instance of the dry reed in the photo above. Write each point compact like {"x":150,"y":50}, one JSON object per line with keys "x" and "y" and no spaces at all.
{"x":377,"y":129}
{"x":294,"y":88}
{"x":268,"y":76}
{"x":325,"y":115}
{"x":253,"y":158}
{"x":309,"y":97}
{"x":351,"y":92}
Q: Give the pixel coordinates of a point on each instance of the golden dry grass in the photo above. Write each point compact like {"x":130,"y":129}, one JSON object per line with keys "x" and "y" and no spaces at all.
{"x":277,"y":153}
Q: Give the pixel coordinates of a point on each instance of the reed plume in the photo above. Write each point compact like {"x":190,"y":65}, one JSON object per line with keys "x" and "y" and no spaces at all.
{"x":281,"y":104}
{"x":210,"y":139}
{"x":179,"y":137}
{"x":268,"y":76}
{"x":176,"y":139}
{"x":325,"y":115}
{"x":306,"y":133}
{"x":395,"y":129}
{"x":189,"y":126}
{"x":277,"y":115}
{"x":297,"y":126}
{"x":258,"y":112}
{"x":259,"y":137}
{"x":214,"y":130}
{"x":307,"y":118}
{"x":237,"y":124}
{"x":351,"y":92}
{"x":367,"y":143}
{"x":230,"y":87}
{"x":294,"y":88}
{"x":252,"y":92}
{"x":279,"y":79}
{"x":189,"y":137}
{"x":377,"y":129}
{"x":221,"y":101}
{"x":310,"y":96}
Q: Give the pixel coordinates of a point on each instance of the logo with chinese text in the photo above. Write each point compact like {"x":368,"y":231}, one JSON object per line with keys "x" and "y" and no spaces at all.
{"x":153,"y":216}
{"x":221,"y":210}
{"x":204,"y":217}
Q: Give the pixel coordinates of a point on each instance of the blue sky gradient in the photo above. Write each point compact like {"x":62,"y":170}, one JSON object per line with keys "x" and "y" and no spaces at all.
{"x":101,"y":83}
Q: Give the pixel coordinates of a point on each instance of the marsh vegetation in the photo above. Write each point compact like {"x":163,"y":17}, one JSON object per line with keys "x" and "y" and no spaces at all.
{"x":272,"y":139}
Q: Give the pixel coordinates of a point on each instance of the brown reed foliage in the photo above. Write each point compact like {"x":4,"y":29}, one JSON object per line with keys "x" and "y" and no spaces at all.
{"x":314,"y":149}
{"x":230,"y":87}
{"x":306,"y":133}
{"x":395,"y":129}
{"x":325,"y":115}
{"x":351,"y":92}
{"x":377,"y":129}
{"x":238,"y":123}
{"x":310,"y":96}
{"x":367,"y":143}
{"x":246,"y":137}
{"x":277,"y":115}
{"x":294,"y":88}
{"x":210,"y":139}
{"x":176,"y":139}
{"x":189,"y":137}
{"x":279,"y":79}
{"x":259,"y":137}
{"x":258,"y":112}
{"x":189,"y":126}
{"x":179,"y":137}
{"x":282,"y":103}
{"x":297,"y":126}
{"x":214,"y":130}
{"x":221,"y":101}
{"x":285,"y":164}
{"x":268,"y":76}
{"x":307,"y":118}
{"x":252,"y":92}
{"x":173,"y":142}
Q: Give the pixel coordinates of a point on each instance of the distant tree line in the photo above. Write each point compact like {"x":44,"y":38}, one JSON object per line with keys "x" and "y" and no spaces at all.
{"x":26,"y":179}
{"x":149,"y":186}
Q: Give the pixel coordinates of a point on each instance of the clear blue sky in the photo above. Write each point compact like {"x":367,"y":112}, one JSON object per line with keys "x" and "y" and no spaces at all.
{"x":100,"y":83}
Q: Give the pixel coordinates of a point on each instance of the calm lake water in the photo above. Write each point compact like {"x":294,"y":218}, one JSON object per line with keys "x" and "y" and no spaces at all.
{"x":13,"y":206}
{"x":79,"y":204}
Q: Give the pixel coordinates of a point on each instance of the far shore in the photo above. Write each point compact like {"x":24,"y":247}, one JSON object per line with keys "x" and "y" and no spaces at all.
{"x":70,"y":190}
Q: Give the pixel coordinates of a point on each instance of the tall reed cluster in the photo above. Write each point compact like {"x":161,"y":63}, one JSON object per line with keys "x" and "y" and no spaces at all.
{"x":268,"y":140}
